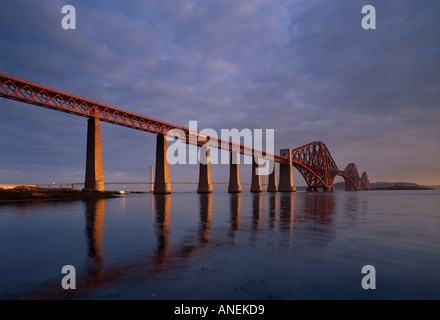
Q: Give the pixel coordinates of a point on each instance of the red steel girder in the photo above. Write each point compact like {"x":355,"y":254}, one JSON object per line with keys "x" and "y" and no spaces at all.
{"x":313,"y":160}
{"x":351,"y":177}
{"x":364,"y":182}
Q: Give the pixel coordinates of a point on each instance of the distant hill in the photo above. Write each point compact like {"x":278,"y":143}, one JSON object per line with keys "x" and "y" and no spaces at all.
{"x":386,"y":186}
{"x":397,"y":186}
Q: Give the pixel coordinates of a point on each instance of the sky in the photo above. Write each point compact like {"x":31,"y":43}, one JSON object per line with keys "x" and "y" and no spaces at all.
{"x":306,"y":69}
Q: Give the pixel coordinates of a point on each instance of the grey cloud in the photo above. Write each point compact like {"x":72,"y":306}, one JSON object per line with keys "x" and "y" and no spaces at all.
{"x":305,"y":68}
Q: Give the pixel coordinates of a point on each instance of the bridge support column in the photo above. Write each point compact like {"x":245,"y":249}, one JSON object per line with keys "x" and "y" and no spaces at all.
{"x":234,"y":174}
{"x":94,"y":180}
{"x":272,"y":187}
{"x":286,"y":180}
{"x":256,"y":182}
{"x":312,"y":189}
{"x":205,"y":185}
{"x":162,"y":178}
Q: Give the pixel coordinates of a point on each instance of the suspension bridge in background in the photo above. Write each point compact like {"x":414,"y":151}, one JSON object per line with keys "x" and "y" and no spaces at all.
{"x":313,"y":160}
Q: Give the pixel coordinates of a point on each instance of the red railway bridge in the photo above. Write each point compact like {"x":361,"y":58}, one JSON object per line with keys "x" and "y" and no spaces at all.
{"x":313,"y":160}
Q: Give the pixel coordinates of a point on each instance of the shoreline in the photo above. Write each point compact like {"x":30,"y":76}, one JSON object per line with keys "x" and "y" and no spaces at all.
{"x":33,"y":193}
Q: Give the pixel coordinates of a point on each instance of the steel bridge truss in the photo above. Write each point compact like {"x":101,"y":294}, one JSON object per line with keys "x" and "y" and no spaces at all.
{"x":351,"y":177}
{"x":32,"y":93}
{"x":313,"y":160}
{"x":316,"y":164}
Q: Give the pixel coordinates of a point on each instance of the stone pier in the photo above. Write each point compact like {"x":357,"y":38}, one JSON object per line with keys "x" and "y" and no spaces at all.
{"x":286,"y":180}
{"x":272,"y":186}
{"x":256,"y":182}
{"x":94,"y":180}
{"x":234,"y":174}
{"x":205,"y":185}
{"x":162,"y":178}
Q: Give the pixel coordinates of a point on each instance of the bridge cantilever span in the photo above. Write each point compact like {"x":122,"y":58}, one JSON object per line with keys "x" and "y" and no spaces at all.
{"x":351,"y":177}
{"x":364,"y":182}
{"x":314,"y":161}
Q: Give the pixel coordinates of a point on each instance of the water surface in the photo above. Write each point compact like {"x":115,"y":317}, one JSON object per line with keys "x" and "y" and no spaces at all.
{"x":224,"y":246}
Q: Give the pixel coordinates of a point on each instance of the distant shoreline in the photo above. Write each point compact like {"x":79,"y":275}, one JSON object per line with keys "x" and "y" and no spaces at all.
{"x":402,"y":188}
{"x":32,"y":193}
{"x":25,"y":193}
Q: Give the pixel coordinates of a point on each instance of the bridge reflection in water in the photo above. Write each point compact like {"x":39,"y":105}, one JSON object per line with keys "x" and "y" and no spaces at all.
{"x":94,"y":224}
{"x":280,"y":223}
{"x":306,"y":225}
{"x":162,"y":206}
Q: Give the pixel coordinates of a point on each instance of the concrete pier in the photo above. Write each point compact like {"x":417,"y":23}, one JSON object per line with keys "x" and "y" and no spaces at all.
{"x":256,"y":182}
{"x":205,"y":185}
{"x":234,"y":174}
{"x":286,"y":180}
{"x":312,"y":189}
{"x":162,"y":178}
{"x":94,"y":180}
{"x":272,"y":186}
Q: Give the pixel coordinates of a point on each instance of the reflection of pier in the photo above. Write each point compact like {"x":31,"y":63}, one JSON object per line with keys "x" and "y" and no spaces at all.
{"x":256,"y":217}
{"x":162,"y":205}
{"x":205,"y":216}
{"x":272,"y":210}
{"x":235,"y":204}
{"x":94,"y":222}
{"x":189,"y":245}
{"x":256,"y":211}
{"x":314,"y":220}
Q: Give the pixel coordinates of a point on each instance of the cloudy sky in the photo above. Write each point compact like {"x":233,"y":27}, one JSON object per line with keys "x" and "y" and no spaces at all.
{"x":304,"y":68}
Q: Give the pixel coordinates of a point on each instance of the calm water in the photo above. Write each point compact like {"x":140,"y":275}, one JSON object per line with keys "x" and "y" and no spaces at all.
{"x":222,"y":246}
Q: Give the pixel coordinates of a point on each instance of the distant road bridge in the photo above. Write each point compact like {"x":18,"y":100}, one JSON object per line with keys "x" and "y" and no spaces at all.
{"x":313,"y":160}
